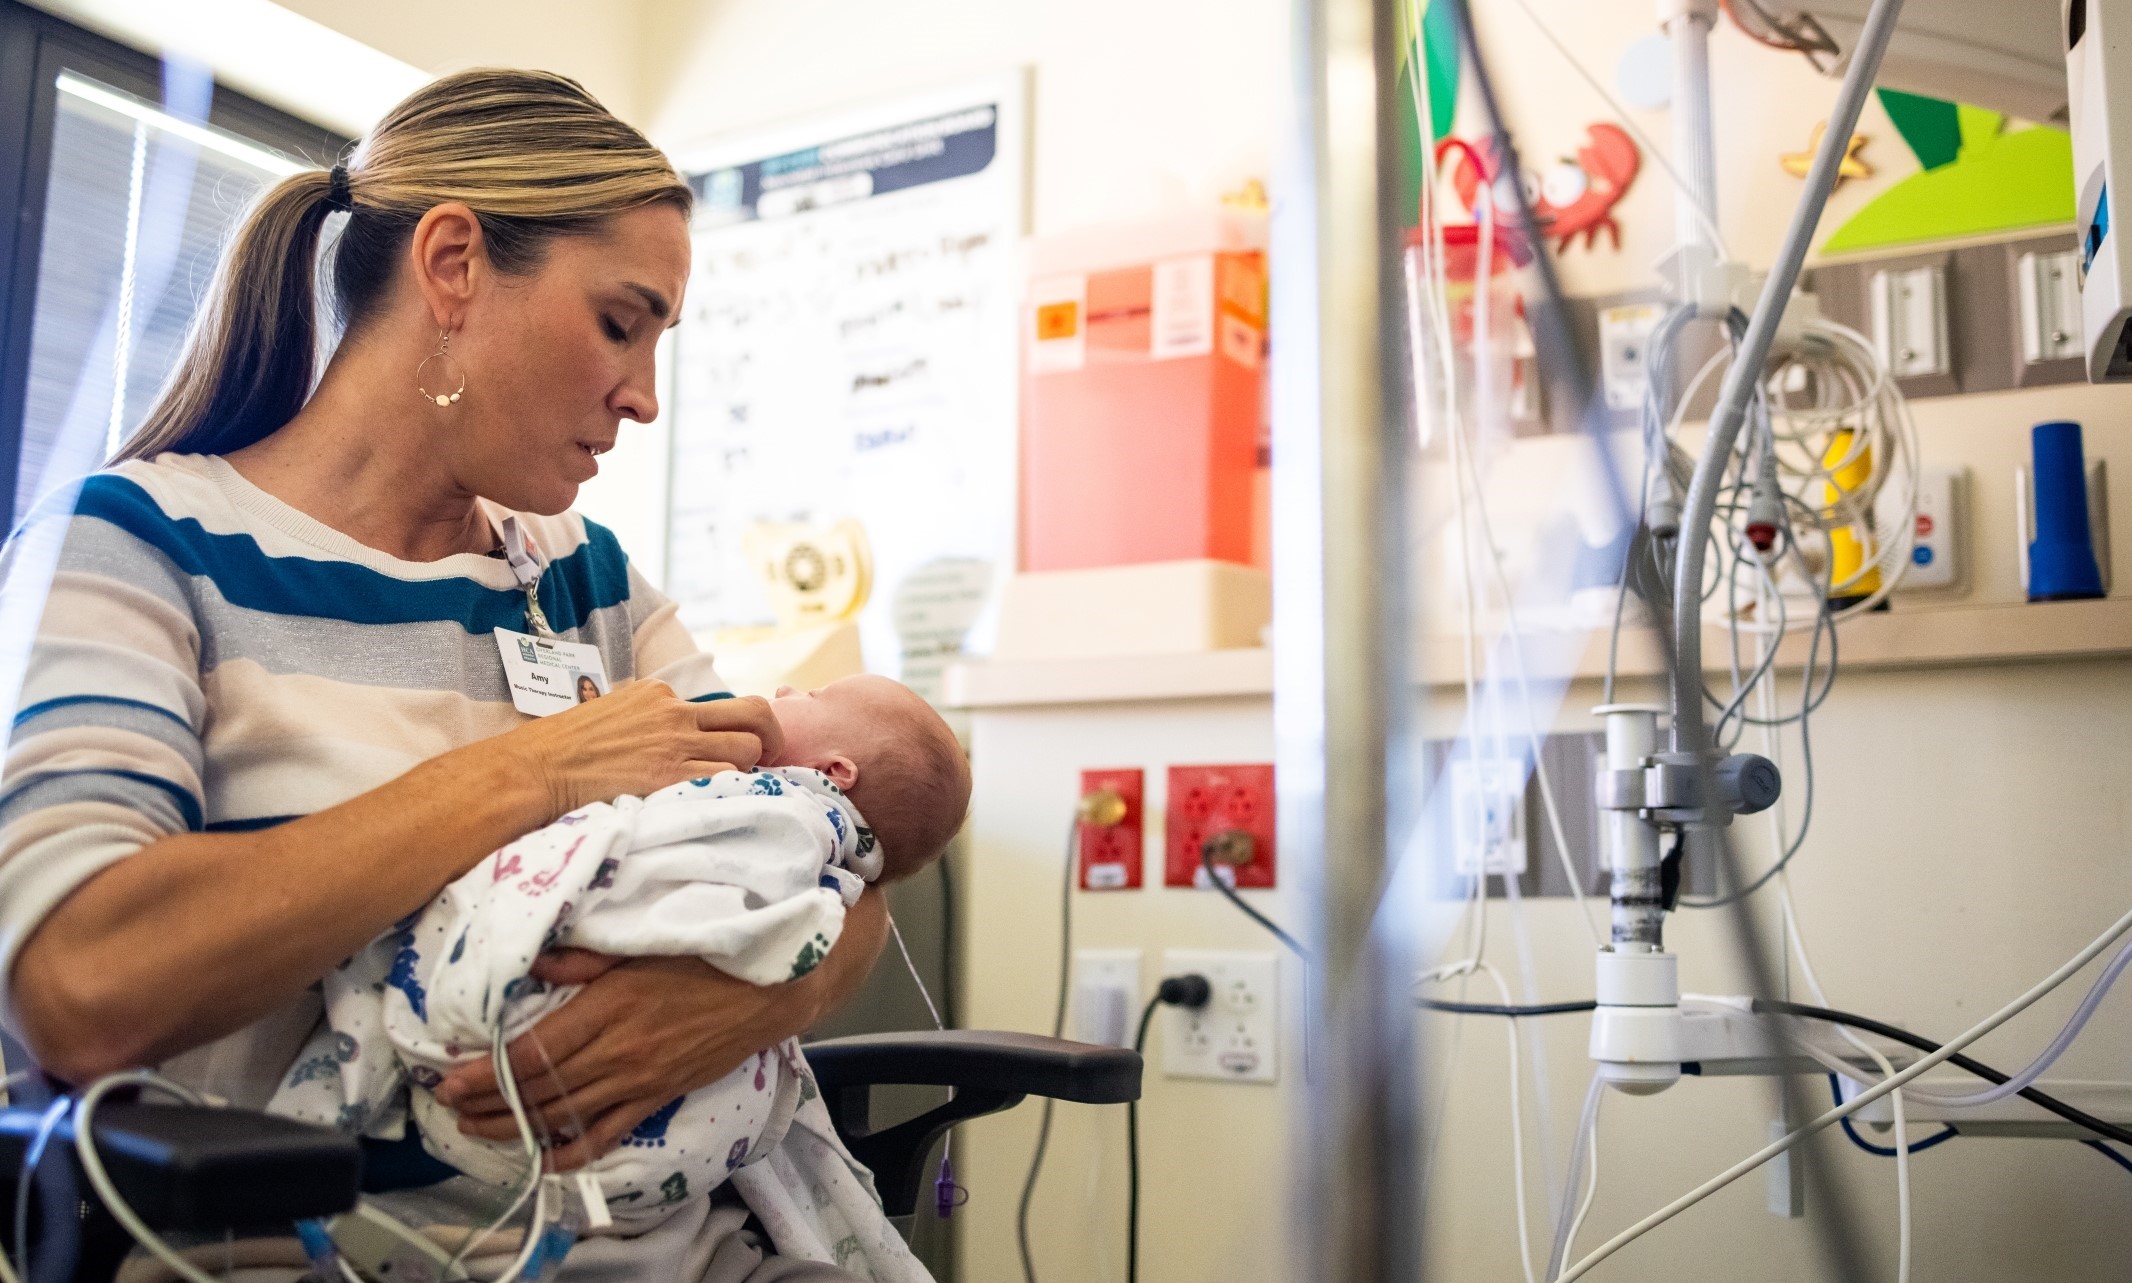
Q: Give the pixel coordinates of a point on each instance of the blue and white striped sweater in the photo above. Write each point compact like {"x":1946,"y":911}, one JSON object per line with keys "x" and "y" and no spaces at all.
{"x":208,"y":657}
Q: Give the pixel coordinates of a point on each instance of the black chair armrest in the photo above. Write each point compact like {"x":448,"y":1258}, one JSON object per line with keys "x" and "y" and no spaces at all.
{"x":194,"y":1167}
{"x":181,"y":1168}
{"x":1024,"y":1064}
{"x":988,"y":1070}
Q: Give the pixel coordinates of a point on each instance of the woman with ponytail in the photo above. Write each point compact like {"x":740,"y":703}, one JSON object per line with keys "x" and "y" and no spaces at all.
{"x":265,"y":714}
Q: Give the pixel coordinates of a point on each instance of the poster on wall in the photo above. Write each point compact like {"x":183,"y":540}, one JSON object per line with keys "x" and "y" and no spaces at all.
{"x":847,"y":353}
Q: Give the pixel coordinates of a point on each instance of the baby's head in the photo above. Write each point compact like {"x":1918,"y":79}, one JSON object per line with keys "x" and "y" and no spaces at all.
{"x":892,"y":755}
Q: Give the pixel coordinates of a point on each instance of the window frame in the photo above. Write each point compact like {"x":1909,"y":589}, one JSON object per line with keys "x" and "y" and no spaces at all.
{"x":34,"y":48}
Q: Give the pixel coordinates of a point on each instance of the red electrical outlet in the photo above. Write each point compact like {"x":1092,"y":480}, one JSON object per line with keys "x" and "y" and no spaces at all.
{"x":1112,"y":854}
{"x":1206,"y":801}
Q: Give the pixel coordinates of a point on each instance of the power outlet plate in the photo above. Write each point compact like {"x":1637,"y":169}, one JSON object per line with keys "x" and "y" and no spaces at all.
{"x":1112,"y":856}
{"x":1488,"y":816}
{"x":1236,"y":1036}
{"x":1106,"y":995}
{"x":1624,"y":359}
{"x":1207,"y":800}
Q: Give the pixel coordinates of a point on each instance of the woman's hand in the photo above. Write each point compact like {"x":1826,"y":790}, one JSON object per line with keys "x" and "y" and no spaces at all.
{"x":647,"y":1030}
{"x":638,"y":738}
{"x":638,"y":1035}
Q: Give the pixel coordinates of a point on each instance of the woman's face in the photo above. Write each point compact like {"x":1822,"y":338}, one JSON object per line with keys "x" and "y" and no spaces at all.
{"x":555,"y":361}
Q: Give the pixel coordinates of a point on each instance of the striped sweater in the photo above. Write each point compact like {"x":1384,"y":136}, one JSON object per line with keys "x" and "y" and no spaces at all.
{"x":203,"y":657}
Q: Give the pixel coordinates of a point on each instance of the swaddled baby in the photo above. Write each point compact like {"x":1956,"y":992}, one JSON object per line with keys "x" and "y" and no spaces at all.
{"x":751,"y":871}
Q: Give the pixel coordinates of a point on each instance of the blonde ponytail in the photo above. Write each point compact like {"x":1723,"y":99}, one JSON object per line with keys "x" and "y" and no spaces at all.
{"x":531,"y":153}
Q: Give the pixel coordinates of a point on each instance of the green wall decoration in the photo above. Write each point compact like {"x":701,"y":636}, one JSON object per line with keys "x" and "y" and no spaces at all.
{"x":1978,"y":177}
{"x":1931,"y":126}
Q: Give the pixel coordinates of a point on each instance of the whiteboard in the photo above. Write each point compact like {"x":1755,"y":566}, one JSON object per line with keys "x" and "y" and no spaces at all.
{"x":848,"y":349}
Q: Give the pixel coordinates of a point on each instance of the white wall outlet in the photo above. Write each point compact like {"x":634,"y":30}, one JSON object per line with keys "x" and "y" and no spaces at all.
{"x":1106,"y":995}
{"x":1236,"y":1036}
{"x":1910,"y":320}
{"x":1488,"y":816}
{"x":2050,"y":306}
{"x":1936,"y":558}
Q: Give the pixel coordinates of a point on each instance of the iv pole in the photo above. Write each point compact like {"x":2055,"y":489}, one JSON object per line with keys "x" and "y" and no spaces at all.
{"x":1342,"y":685}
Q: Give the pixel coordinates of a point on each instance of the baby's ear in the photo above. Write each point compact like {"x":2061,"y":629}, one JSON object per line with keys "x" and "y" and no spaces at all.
{"x":842,"y":772}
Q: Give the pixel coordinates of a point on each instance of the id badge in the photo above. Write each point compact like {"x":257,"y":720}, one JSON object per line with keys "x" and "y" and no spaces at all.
{"x":547,"y":674}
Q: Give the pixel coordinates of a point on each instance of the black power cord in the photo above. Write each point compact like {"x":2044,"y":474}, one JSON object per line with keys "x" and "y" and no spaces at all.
{"x":1058,"y":1028}
{"x":1190,"y":990}
{"x":1986,"y":1072}
{"x":1206,"y":861}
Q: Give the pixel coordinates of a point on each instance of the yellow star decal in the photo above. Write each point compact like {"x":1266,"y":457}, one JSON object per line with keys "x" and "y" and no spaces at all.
{"x":1851,"y":166}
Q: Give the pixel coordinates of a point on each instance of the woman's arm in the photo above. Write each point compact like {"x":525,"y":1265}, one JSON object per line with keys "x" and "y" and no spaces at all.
{"x":249,"y":919}
{"x":647,"y":1030}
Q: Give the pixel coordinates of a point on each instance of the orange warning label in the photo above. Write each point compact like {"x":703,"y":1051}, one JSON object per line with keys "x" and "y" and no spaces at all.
{"x":1058,"y":320}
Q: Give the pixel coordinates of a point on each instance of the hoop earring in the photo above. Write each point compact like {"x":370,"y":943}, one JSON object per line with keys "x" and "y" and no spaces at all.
{"x":443,"y":353}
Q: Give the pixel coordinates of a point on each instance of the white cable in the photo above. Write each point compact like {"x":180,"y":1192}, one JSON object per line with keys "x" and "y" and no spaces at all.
{"x":1586,"y":1140}
{"x":1465,"y":473}
{"x":1529,"y":984}
{"x":947,"y":1143}
{"x":912,"y":967}
{"x":1517,"y":1131}
{"x":1475,"y":915}
{"x":1591,"y":1190}
{"x":2058,"y":1045}
{"x":1882,"y":430}
{"x":507,"y":1083}
{"x":1882,"y":426}
{"x":1471,"y":475}
{"x":92,"y":1165}
{"x":1924,"y":1065}
{"x":535,"y":1229}
{"x":1836,"y":1065}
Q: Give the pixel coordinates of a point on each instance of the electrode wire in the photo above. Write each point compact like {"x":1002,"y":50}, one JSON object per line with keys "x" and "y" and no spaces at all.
{"x":947,"y":1142}
{"x":507,"y":1083}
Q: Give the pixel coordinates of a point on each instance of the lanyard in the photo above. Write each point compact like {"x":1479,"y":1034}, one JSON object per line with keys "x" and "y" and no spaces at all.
{"x":527,"y":567}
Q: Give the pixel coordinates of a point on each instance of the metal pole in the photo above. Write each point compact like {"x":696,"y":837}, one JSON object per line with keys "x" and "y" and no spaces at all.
{"x":1342,"y":683}
{"x":1745,"y":375}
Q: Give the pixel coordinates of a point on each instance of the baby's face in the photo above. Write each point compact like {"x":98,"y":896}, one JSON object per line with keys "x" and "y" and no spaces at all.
{"x":837,"y":722}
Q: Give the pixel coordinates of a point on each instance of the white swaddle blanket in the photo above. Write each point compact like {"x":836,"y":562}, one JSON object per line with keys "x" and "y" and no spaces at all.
{"x":750,"y":871}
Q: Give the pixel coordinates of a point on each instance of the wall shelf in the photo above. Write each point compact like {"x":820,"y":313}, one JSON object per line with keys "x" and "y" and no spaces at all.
{"x":1942,"y":637}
